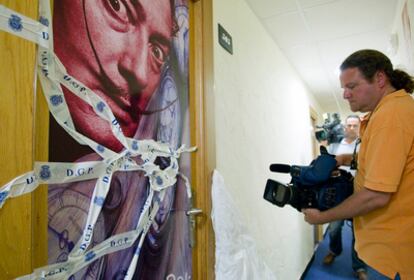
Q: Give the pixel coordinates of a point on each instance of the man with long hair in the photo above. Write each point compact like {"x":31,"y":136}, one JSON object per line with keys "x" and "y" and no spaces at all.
{"x":381,"y":205}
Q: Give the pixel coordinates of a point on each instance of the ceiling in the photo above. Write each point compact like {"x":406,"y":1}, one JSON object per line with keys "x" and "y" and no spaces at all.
{"x":317,"y":35}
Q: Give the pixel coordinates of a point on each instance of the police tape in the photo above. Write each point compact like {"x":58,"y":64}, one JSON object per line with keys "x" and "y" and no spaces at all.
{"x":113,"y":244}
{"x":52,"y":75}
{"x":24,"y":27}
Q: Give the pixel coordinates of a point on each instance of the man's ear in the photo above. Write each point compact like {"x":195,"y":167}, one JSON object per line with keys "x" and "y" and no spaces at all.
{"x":381,"y":78}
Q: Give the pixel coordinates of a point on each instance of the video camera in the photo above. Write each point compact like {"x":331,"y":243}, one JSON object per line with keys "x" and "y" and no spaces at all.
{"x":332,"y":129}
{"x":320,"y":185}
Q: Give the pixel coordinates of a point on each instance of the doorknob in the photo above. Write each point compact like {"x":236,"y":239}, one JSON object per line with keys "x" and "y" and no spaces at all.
{"x":194,"y":211}
{"x":192,"y":223}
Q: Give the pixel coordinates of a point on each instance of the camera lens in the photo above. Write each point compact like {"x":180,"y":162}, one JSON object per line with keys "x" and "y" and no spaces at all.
{"x":278,"y":194}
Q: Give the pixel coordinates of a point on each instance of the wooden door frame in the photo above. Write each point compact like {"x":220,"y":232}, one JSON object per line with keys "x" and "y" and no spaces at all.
{"x":317,"y":229}
{"x":202,"y":132}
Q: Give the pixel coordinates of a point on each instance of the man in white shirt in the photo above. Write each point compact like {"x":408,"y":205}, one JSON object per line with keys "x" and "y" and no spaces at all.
{"x":346,"y":146}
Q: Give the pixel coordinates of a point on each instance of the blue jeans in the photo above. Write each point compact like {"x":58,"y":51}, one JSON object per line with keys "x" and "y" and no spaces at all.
{"x":375,"y":275}
{"x":335,"y":244}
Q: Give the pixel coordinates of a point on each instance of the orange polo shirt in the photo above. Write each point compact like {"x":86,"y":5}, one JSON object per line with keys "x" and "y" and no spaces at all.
{"x":385,"y":237}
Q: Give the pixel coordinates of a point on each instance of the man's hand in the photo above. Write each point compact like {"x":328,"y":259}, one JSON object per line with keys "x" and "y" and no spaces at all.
{"x":360,"y":203}
{"x":313,"y":216}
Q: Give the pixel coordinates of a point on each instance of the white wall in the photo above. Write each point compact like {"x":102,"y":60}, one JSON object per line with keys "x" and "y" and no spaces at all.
{"x":262,"y":117}
{"x":401,"y":58}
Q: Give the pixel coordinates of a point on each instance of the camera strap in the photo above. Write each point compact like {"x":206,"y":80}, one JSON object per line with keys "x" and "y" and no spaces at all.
{"x":354,"y":162}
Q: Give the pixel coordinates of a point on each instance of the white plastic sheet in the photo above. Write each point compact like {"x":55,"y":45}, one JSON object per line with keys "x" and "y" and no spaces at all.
{"x":236,"y":254}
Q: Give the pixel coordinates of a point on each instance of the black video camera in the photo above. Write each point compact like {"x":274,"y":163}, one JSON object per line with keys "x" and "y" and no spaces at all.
{"x":320,"y":185}
{"x":332,"y":130}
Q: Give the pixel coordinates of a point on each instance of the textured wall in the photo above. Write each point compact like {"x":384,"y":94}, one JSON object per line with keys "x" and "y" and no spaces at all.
{"x":400,"y":54}
{"x":262,"y":116}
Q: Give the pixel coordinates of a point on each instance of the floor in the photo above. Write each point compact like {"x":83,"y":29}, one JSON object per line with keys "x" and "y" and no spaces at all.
{"x":341,"y":268}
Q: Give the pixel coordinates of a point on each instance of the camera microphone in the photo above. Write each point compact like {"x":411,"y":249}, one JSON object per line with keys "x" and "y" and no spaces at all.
{"x":281,"y":168}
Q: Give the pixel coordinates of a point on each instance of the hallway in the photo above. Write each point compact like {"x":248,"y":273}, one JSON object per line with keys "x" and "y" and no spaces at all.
{"x":341,"y":268}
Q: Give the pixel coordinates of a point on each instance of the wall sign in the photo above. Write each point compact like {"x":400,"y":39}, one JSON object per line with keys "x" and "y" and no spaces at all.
{"x":225,"y":39}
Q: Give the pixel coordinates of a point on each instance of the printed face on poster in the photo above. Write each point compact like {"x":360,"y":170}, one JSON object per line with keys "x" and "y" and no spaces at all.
{"x":134,"y":55}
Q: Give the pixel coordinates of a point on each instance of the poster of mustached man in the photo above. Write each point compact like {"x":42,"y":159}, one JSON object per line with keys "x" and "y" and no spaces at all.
{"x":134,"y":55}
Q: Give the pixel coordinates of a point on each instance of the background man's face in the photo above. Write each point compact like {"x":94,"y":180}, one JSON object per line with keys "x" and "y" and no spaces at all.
{"x":118,"y":49}
{"x":352,"y":128}
{"x":357,"y":90}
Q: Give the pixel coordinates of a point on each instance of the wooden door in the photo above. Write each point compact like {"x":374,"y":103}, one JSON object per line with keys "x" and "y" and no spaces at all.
{"x":22,"y":112}
{"x":24,"y":127}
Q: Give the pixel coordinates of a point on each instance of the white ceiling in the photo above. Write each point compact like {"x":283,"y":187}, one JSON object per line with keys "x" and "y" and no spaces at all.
{"x":317,"y":35}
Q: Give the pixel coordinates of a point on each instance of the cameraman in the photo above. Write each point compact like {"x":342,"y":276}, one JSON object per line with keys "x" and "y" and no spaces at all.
{"x":382,"y":204}
{"x":347,"y":146}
